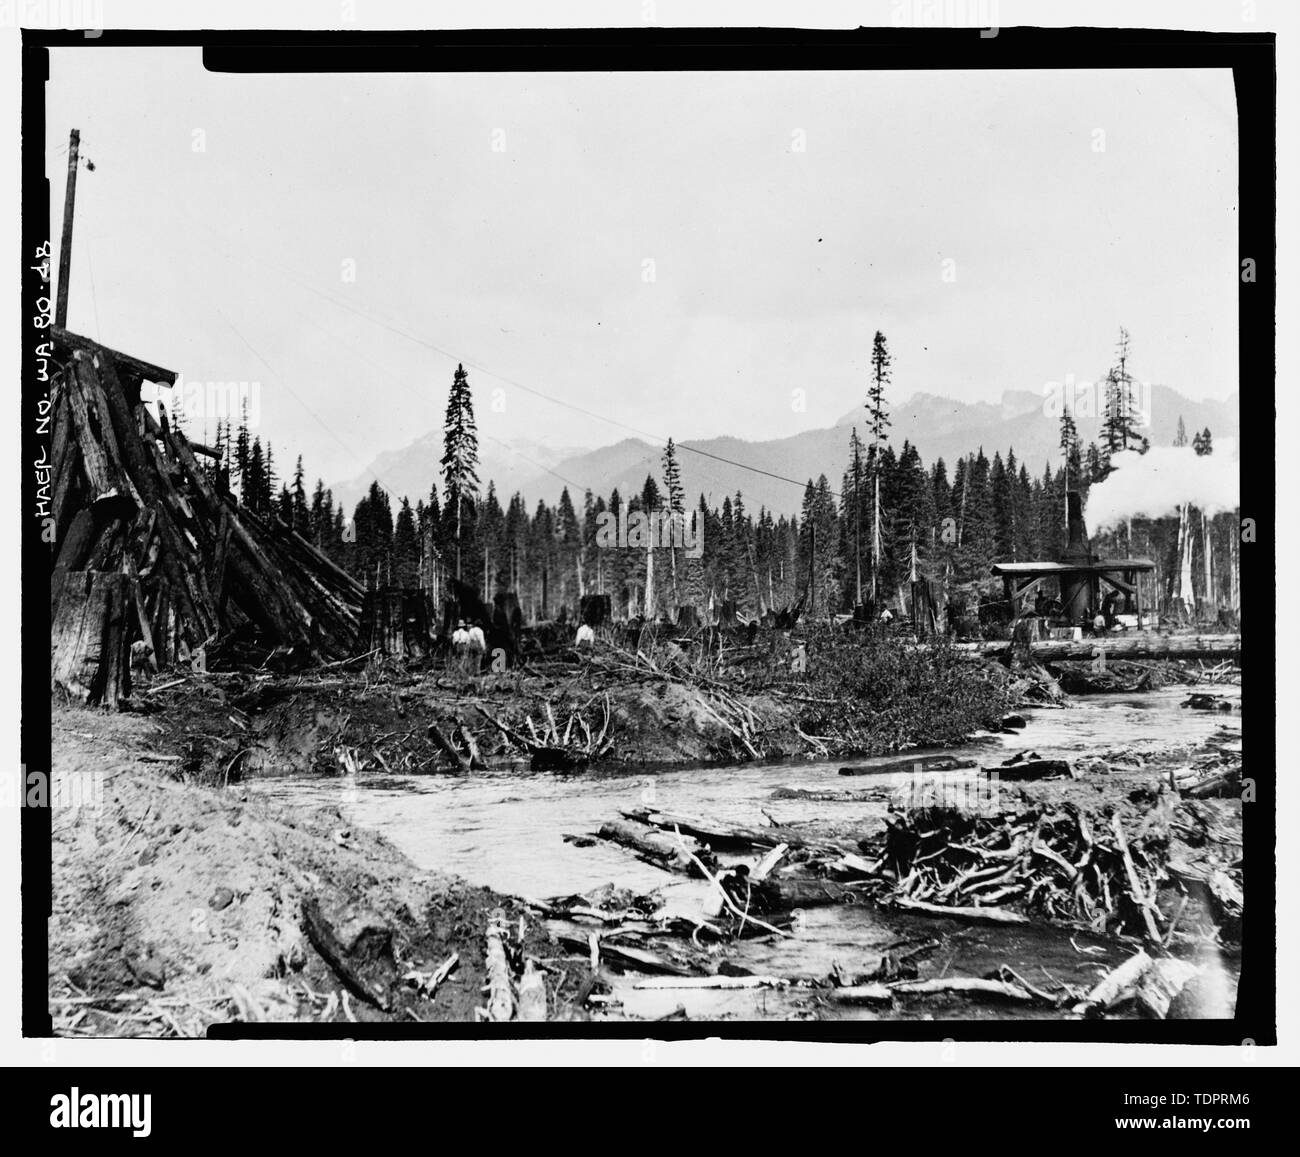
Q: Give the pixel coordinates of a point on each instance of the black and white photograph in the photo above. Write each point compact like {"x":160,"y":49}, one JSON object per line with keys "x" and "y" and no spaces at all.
{"x":756,"y":538}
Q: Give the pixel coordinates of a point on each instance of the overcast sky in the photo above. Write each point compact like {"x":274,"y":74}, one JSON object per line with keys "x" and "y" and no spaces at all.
{"x":506,"y":221}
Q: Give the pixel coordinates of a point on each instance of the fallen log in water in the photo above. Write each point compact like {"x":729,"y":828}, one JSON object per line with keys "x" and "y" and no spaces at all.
{"x":785,"y":893}
{"x":1031,"y":766}
{"x":716,"y":834}
{"x":657,"y":848}
{"x":922,"y":763}
{"x":722,"y":836}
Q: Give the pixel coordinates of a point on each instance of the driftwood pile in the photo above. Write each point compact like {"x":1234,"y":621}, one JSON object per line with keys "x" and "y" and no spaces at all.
{"x":552,"y":747}
{"x":1054,"y":863}
{"x":152,"y":562}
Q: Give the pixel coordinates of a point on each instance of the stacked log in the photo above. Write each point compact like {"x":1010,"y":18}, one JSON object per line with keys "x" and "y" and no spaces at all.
{"x":148,"y":550}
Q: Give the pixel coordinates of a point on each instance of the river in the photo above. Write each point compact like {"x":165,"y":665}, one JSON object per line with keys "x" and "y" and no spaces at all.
{"x":505,"y":830}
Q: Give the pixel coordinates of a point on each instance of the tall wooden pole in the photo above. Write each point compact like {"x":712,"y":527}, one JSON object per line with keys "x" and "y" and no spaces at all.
{"x":65,"y":247}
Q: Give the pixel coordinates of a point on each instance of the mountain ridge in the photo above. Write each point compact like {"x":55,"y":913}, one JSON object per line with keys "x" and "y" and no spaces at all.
{"x":940,"y":427}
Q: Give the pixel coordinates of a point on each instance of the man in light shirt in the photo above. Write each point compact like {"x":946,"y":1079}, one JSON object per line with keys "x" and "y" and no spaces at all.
{"x":586,"y":639}
{"x":460,"y":646}
{"x":477,"y":649}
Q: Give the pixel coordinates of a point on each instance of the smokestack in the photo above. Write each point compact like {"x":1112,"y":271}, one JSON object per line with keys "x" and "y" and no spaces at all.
{"x":1077,"y":548}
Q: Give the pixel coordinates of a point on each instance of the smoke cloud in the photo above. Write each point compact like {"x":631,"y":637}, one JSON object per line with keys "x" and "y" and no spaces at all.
{"x":1155,"y":484}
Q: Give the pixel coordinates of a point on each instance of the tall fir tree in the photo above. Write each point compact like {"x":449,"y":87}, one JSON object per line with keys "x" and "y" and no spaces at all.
{"x":460,"y":459}
{"x":878,"y":425}
{"x":676,"y":500}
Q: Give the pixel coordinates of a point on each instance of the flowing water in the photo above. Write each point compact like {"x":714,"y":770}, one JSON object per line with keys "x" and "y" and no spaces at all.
{"x":505,"y":830}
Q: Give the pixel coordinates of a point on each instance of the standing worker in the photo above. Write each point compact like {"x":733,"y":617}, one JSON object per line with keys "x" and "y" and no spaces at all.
{"x":477,"y":649}
{"x":460,"y":647}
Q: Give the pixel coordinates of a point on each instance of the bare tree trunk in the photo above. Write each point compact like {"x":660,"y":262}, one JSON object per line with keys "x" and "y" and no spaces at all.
{"x":649,"y":581}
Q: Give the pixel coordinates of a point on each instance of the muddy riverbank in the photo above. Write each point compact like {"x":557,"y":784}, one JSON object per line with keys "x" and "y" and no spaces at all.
{"x":177,"y":906}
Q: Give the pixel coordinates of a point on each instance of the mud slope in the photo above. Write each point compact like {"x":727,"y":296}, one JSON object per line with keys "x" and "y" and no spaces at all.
{"x":176,"y":906}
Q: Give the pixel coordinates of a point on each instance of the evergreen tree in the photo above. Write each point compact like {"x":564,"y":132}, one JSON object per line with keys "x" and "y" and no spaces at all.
{"x":301,"y":513}
{"x":1071,"y":450}
{"x":253,"y":481}
{"x":406,"y":548}
{"x":676,"y":508}
{"x":878,"y":425}
{"x":460,"y":458}
{"x":1120,"y":422}
{"x":319,"y":516}
{"x":491,"y":537}
{"x":568,"y":540}
{"x":913,"y":506}
{"x":243,"y":455}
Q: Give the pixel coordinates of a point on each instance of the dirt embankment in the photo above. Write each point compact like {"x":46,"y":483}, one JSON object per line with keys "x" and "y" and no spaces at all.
{"x":176,"y":906}
{"x":229,"y":727}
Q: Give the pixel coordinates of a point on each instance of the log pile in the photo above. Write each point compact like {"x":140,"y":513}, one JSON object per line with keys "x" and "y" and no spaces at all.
{"x":153,"y":562}
{"x":1052,"y":862}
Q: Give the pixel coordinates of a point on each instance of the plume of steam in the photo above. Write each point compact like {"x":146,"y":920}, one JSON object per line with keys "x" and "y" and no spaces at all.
{"x":1157,"y":483}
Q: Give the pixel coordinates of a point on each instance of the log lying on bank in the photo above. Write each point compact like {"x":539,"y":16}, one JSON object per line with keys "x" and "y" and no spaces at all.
{"x":696,"y":983}
{"x":972,"y":986}
{"x":1160,"y":985}
{"x":500,"y":994}
{"x":1220,"y":784}
{"x":185,"y":568}
{"x":1138,"y":644}
{"x":861,"y":994}
{"x":954,"y":912}
{"x":1217,"y":890}
{"x":357,"y":945}
{"x":1114,"y":985}
{"x":439,"y":737}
